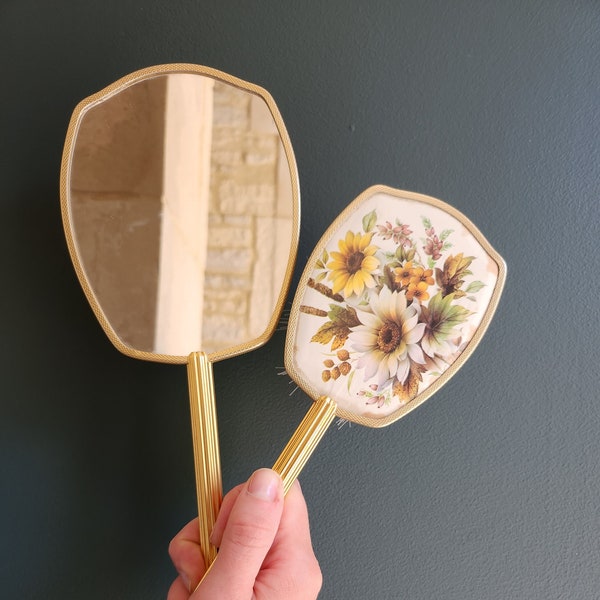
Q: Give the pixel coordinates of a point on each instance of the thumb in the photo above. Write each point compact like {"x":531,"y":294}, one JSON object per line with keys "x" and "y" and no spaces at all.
{"x":247,"y":537}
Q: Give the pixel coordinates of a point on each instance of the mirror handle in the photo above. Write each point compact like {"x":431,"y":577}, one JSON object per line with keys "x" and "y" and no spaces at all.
{"x":305,"y":439}
{"x":207,"y":462}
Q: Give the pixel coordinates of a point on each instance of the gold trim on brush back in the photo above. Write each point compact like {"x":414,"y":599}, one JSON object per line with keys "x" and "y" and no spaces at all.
{"x":325,"y":283}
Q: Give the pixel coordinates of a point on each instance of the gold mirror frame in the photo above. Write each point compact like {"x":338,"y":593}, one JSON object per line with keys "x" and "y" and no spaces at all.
{"x":65,"y":175}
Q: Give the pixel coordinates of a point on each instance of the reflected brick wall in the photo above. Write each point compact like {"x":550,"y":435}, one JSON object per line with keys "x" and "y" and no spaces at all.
{"x":250,"y":224}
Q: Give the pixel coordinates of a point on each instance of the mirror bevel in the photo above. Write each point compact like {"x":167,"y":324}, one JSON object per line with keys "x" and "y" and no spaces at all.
{"x":65,"y":178}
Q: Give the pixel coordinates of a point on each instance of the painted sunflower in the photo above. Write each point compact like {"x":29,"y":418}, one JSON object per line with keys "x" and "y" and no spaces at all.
{"x":388,"y":338}
{"x":353,"y":266}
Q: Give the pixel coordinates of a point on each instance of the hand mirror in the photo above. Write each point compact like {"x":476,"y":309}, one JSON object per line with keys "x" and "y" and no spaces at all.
{"x":180,"y":203}
{"x":394,"y":299}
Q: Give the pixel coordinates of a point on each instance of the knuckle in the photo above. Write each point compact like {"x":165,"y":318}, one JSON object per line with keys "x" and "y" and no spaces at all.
{"x":247,"y":537}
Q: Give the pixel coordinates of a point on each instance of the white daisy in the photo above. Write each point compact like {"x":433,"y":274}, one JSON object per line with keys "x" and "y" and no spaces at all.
{"x":388,"y":337}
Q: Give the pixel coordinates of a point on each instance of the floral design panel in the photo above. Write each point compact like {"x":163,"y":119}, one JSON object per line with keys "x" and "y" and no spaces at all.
{"x":391,"y":299}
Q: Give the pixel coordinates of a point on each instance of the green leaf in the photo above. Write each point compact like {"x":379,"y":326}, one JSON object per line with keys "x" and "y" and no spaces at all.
{"x":426,"y":222}
{"x":337,"y":329}
{"x":368,"y":221}
{"x":445,"y":234}
{"x":474,"y":287}
{"x":343,"y":316}
{"x":350,"y":378}
{"x":325,"y":333}
{"x":331,"y":331}
{"x":436,"y":302}
{"x":444,"y":316}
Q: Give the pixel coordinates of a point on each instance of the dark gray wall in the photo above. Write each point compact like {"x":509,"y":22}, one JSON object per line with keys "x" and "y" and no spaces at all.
{"x":489,"y":490}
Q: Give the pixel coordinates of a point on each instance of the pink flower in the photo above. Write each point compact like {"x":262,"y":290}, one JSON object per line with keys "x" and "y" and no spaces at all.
{"x":399,"y":233}
{"x":433,"y":246}
{"x":378,"y":400}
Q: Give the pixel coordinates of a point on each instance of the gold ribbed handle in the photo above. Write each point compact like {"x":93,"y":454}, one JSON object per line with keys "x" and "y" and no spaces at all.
{"x":207,"y":462}
{"x":305,"y":439}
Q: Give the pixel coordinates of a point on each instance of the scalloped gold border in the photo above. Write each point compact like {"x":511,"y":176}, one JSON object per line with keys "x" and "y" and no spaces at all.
{"x":115,"y":88}
{"x":456,"y":365}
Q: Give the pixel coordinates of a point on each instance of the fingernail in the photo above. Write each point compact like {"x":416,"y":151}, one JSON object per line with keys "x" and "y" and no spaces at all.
{"x":264,"y":484}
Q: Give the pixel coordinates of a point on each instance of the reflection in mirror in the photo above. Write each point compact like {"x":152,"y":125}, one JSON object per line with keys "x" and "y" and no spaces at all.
{"x":182,"y":209}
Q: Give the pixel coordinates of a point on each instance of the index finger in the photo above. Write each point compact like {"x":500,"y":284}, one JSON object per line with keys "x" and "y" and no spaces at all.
{"x":186,"y":555}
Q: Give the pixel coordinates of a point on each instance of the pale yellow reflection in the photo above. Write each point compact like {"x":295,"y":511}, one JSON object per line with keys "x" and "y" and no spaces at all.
{"x":184,"y":222}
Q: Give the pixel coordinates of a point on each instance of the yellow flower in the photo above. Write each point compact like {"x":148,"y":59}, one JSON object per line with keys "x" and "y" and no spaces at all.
{"x":417,"y":291}
{"x":352,"y":267}
{"x":403,"y":274}
{"x":419,"y":279}
{"x":420,"y":275}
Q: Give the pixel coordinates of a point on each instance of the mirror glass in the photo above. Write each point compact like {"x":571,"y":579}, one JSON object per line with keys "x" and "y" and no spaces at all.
{"x":182,"y":205}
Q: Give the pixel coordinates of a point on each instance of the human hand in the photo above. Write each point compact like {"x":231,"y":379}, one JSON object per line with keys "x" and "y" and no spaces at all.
{"x":265,"y":550}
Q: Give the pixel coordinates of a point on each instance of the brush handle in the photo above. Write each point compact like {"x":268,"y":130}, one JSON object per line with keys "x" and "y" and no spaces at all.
{"x":305,"y":439}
